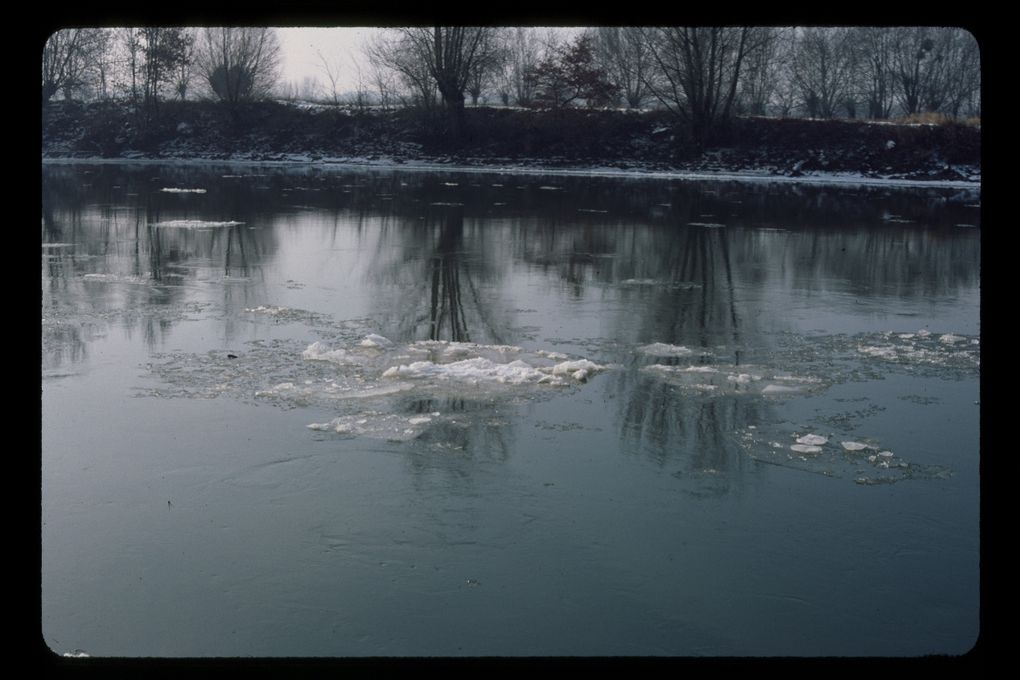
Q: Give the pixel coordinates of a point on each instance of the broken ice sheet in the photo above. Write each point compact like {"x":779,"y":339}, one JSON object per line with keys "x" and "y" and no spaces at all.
{"x":851,"y":460}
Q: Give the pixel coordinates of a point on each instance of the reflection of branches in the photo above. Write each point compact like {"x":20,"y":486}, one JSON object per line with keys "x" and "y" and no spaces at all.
{"x":452,"y":309}
{"x":696,"y":431}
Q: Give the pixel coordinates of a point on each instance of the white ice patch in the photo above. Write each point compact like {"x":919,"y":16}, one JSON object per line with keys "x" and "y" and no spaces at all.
{"x":471,"y":371}
{"x":171,"y":190}
{"x":377,"y":425}
{"x":373,"y":340}
{"x":706,"y":225}
{"x":780,"y":389}
{"x":195,"y":224}
{"x":805,"y":448}
{"x":115,"y":278}
{"x":854,"y":446}
{"x":922,"y":347}
{"x":661,"y":349}
{"x":813,"y":440}
{"x":674,"y":370}
{"x":318,"y":351}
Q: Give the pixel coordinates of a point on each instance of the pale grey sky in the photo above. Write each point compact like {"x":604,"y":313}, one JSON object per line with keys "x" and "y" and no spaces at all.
{"x":301,"y":47}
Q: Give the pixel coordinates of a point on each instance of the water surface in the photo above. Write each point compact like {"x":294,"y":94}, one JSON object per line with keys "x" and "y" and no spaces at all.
{"x":325,"y":412}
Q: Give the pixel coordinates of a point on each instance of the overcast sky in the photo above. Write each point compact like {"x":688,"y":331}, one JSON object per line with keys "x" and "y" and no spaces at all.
{"x":301,"y":47}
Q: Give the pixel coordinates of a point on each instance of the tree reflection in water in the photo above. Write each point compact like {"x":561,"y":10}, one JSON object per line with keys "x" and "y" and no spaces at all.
{"x":453,"y":304}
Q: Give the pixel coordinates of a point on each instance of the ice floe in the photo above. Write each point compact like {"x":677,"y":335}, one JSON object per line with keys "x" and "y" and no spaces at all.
{"x":172,"y":190}
{"x":923,"y":348}
{"x":662,"y":349}
{"x":378,"y":425}
{"x":195,"y":224}
{"x":851,"y":460}
{"x":724,"y":379}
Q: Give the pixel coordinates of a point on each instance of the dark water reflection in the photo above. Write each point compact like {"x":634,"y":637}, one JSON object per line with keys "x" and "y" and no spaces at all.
{"x":695,"y":296}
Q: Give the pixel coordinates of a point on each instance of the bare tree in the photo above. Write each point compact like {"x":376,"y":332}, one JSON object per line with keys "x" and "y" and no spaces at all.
{"x":823,"y":69}
{"x":67,"y":57}
{"x":449,"y":55}
{"x":240,"y":64}
{"x":963,"y":80}
{"x":389,"y":53}
{"x":163,"y":49}
{"x":761,"y":81}
{"x":873,"y":77}
{"x":331,"y":70}
{"x":935,"y":69}
{"x":697,"y":72}
{"x":185,"y":69}
{"x":521,"y":51}
{"x":625,"y":56}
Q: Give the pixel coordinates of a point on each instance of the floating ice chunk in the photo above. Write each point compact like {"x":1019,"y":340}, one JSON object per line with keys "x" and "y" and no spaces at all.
{"x":171,"y":190}
{"x":813,"y":440}
{"x":195,"y":224}
{"x":550,"y":188}
{"x":854,"y":446}
{"x":451,"y":184}
{"x":76,"y":654}
{"x":950,"y":339}
{"x":886,"y":454}
{"x":318,"y":351}
{"x":480,"y":369}
{"x":742,"y":378}
{"x":276,"y":390}
{"x":373,"y":340}
{"x":880,"y":352}
{"x":661,"y":349}
{"x":574,"y":366}
{"x":706,"y":225}
{"x":551,"y":355}
{"x":806,"y":448}
{"x":420,"y":420}
{"x":779,"y":389}
{"x":114,"y":278}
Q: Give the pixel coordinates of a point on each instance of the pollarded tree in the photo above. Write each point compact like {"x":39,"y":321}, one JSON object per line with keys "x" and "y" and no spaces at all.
{"x":697,"y":70}
{"x":449,"y":54}
{"x":67,"y":57}
{"x":240,"y":64}
{"x":936,"y":69}
{"x":570,"y":75}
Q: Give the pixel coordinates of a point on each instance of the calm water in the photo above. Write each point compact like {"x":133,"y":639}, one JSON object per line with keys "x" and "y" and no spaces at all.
{"x":337,"y":413}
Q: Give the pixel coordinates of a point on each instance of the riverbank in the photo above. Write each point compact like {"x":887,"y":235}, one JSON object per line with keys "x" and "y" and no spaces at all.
{"x":570,"y":140}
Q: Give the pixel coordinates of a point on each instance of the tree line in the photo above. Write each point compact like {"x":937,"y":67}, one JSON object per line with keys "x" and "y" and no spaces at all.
{"x":703,"y":75}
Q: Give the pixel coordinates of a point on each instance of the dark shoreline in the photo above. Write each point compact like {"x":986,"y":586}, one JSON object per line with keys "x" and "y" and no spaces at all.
{"x":569,"y":140}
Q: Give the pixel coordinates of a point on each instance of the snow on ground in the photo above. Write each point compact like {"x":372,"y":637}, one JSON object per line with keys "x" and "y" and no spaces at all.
{"x":538,"y":168}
